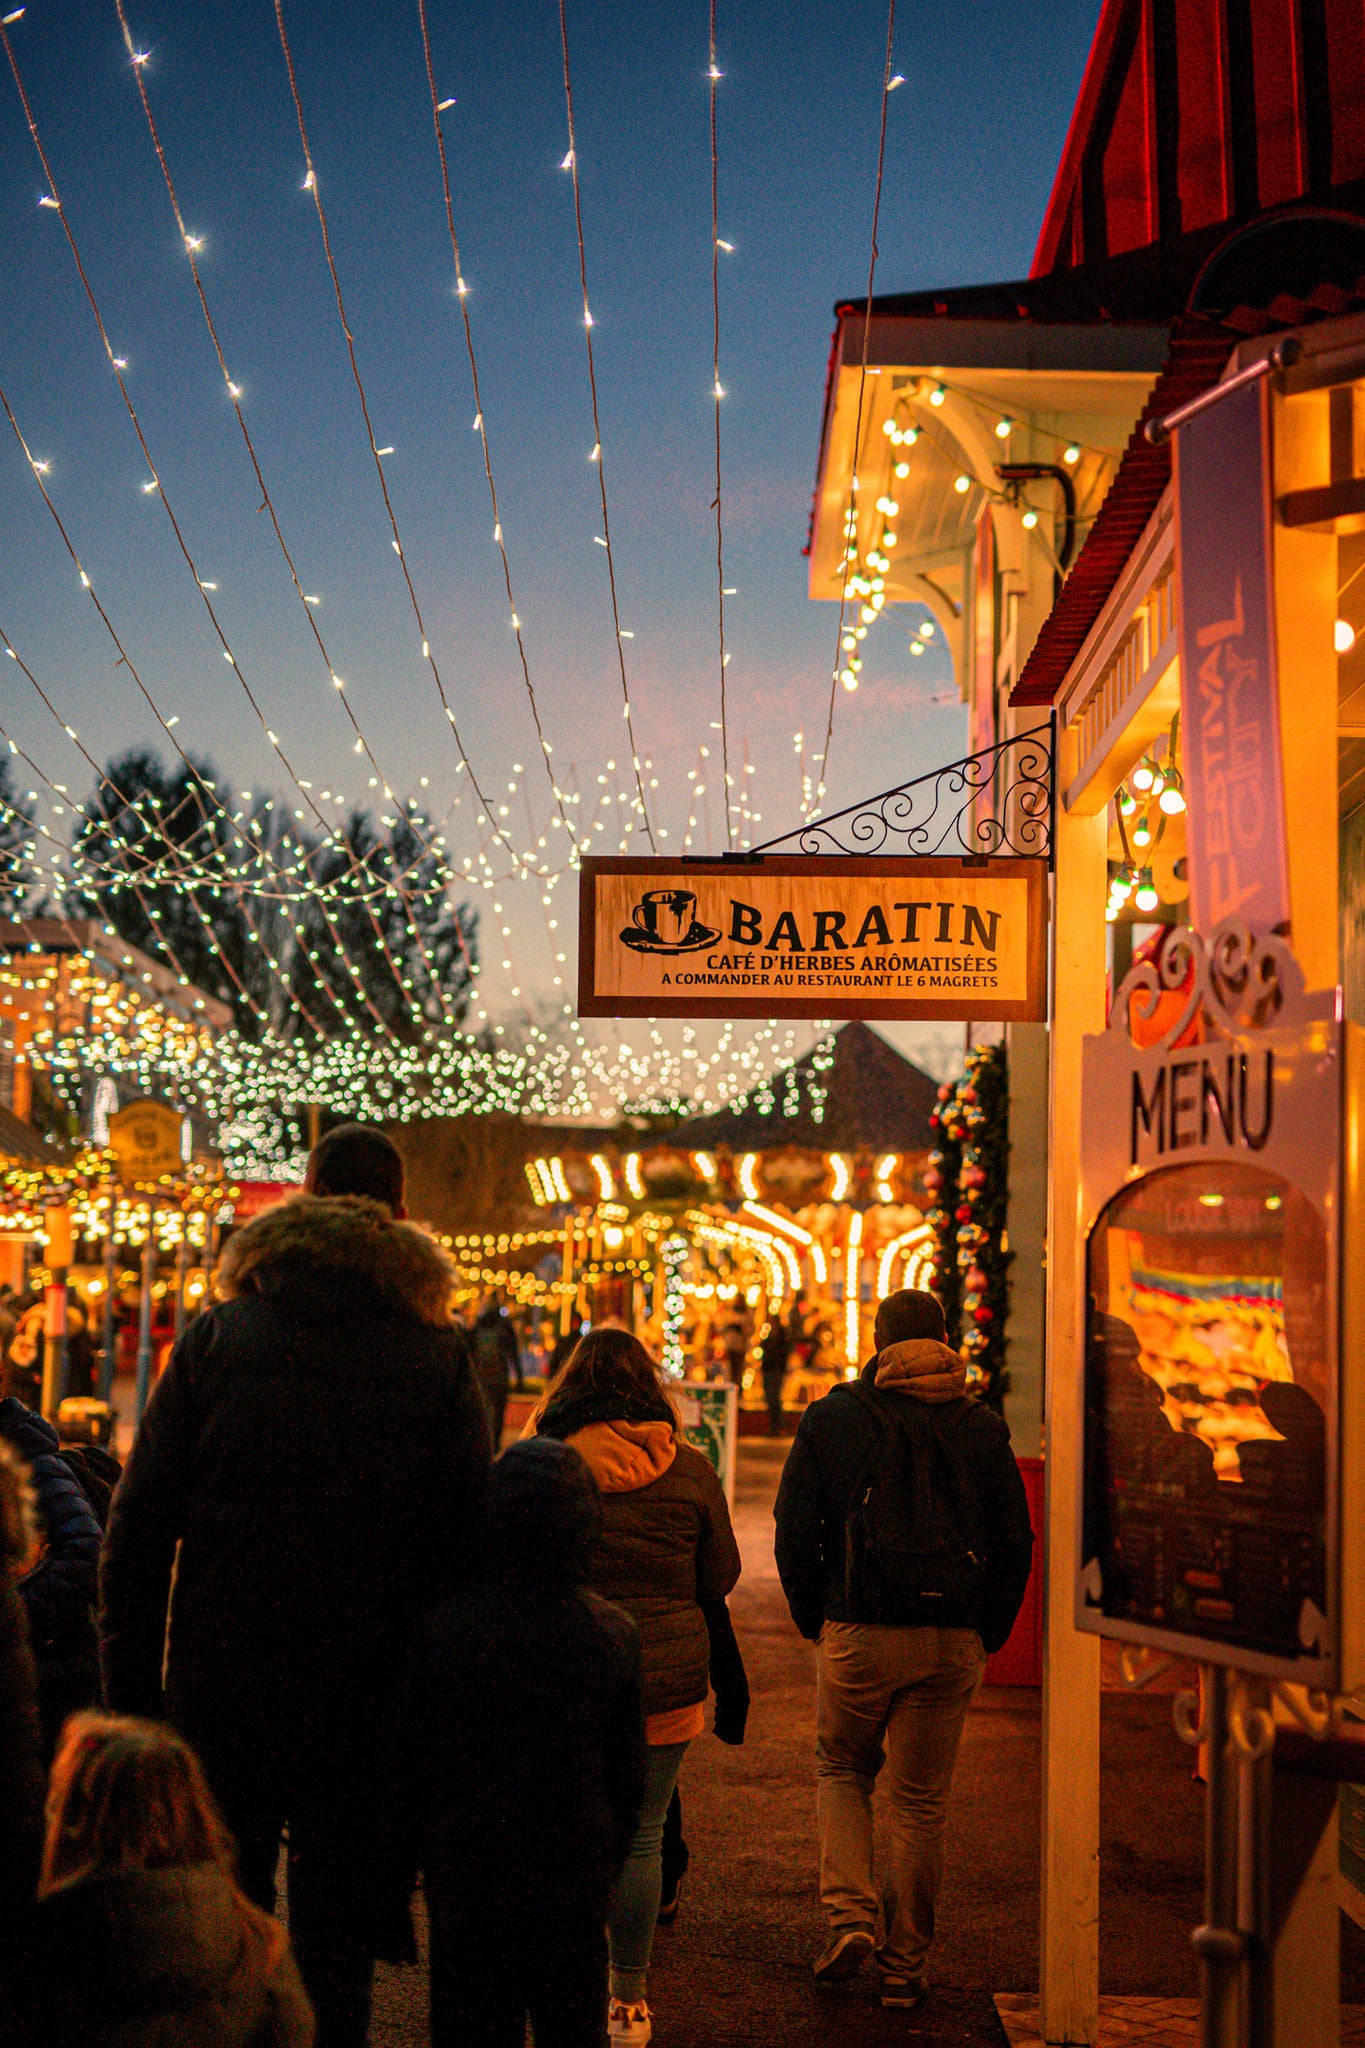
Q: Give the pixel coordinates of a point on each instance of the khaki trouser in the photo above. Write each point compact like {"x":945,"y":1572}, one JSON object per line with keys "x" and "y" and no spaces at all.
{"x":897,"y":1696}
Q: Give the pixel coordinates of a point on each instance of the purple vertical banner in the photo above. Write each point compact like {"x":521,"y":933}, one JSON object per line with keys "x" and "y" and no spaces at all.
{"x":1230,"y":720}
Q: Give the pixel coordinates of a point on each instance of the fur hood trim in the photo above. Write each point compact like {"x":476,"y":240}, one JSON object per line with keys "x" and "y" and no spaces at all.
{"x":341,"y":1245}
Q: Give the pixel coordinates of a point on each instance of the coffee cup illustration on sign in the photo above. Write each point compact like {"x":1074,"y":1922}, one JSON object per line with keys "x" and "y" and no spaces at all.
{"x":665,"y":921}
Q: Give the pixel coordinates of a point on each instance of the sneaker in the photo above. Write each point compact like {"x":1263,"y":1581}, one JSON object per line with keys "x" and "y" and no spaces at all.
{"x":845,"y":1955}
{"x":904,"y":1992}
{"x":628,"y":2021}
{"x":668,"y":1904}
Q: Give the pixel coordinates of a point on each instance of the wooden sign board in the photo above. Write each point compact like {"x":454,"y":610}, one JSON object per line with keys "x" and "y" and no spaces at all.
{"x":144,"y":1136}
{"x":808,"y":936}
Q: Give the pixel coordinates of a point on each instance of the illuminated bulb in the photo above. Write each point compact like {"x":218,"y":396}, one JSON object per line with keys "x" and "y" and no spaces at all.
{"x":902,"y":469}
{"x":937,"y":395}
{"x":1146,"y":897}
{"x":848,"y":643}
{"x":1158,"y":782}
{"x":1071,"y":455}
{"x":1127,"y":802}
{"x":849,"y":681}
{"x":1111,"y":915}
{"x":1172,"y":800}
{"x":1343,"y":636}
{"x":1142,"y":834}
{"x":927,"y":630}
{"x":917,"y":647}
{"x":889,"y":427}
{"x":1030,"y":519}
{"x":1144,"y":775}
{"x":910,"y":436}
{"x":1004,"y":428}
{"x":866,"y":614}
{"x":860,"y":632}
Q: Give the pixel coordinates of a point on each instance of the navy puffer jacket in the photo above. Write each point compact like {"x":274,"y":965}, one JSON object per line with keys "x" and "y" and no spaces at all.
{"x":59,"y":1593}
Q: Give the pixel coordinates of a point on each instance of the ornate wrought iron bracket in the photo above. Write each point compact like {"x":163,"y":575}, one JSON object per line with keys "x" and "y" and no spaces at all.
{"x":997,"y":802}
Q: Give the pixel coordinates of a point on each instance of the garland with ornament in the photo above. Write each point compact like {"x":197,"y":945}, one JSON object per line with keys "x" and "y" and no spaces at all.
{"x":973,"y":1246}
{"x":940,"y":1180}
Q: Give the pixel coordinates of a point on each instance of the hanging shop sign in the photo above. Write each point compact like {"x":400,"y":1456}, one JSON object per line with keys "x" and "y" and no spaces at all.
{"x":1230,"y":726}
{"x":145,"y":1138}
{"x":1212,"y":1186}
{"x":802,"y":936}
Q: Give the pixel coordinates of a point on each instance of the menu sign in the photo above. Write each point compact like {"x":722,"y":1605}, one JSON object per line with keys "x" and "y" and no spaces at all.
{"x":1211,"y":1187}
{"x":1230,"y":729}
{"x":813,"y":937}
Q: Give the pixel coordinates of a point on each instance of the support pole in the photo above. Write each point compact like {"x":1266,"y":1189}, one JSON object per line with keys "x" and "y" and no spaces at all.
{"x":58,"y":1225}
{"x":110,"y":1360}
{"x":182,"y":1264}
{"x":1069,"y":1931}
{"x":144,"y":1315}
{"x":1218,"y":1943}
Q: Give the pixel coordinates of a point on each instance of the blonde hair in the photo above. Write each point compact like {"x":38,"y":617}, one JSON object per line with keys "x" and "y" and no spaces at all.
{"x":127,"y":1795}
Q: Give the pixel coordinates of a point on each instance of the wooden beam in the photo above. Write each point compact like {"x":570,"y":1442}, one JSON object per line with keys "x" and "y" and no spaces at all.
{"x":1069,"y":1952}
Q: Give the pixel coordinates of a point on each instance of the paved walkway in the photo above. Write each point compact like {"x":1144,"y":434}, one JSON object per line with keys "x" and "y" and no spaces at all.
{"x":734,"y":1972}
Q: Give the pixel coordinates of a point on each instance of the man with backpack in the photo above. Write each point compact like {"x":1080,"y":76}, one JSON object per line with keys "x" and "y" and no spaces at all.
{"x":903,"y":1545}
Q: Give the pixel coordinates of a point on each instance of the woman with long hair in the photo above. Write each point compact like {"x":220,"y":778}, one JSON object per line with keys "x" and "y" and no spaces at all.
{"x":140,"y":1934}
{"x":667,"y":1552}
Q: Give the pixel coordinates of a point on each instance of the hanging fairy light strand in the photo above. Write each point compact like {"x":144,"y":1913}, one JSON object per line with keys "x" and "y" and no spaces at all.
{"x":481,"y":419}
{"x":571,"y":165}
{"x":312,"y":186}
{"x":888,"y":85}
{"x":202,"y":584}
{"x":713,"y":77}
{"x":235,"y":396}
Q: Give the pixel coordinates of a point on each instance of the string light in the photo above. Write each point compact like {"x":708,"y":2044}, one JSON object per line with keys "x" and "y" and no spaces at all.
{"x":853,"y":1290}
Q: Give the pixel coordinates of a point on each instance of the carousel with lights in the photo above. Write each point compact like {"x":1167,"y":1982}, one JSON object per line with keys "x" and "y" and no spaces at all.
{"x":806,"y":1200}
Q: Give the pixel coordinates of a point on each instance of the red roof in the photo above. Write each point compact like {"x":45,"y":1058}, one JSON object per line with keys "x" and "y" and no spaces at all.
{"x":1199,"y":351}
{"x":1200,"y":347}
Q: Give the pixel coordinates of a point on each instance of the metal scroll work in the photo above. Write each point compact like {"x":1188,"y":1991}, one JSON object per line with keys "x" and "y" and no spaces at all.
{"x":997,"y":802}
{"x":1232,"y":983}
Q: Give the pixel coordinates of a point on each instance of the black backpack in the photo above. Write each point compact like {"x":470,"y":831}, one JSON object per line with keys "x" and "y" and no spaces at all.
{"x":912,"y":1552}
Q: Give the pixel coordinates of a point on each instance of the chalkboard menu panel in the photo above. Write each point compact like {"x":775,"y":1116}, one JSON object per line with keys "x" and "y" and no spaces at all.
{"x":1207,"y":1390}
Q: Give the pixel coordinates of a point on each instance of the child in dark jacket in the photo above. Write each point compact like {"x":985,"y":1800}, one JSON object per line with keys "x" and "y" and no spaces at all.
{"x":518,"y":1769}
{"x":141,"y":1939}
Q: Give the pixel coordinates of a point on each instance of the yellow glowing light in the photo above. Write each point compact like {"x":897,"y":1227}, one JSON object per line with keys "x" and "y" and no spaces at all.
{"x":918,"y":1248}
{"x":557,"y":1180}
{"x":818,"y":1265}
{"x":852,"y":1287}
{"x":842,"y":1170}
{"x":606,"y":1186}
{"x":748,"y":1167}
{"x":885,"y":1167}
{"x":634,"y":1183}
{"x":705,"y":1165}
{"x":783,"y":1223}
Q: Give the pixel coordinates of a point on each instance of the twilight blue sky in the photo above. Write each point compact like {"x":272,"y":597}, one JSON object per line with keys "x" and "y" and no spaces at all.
{"x":974,"y":138}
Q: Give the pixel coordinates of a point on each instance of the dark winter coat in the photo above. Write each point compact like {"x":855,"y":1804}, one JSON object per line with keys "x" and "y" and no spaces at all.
{"x":518,"y":1757}
{"x":162,"y":1959}
{"x":667,"y":1549}
{"x":831,"y":1448}
{"x":493,"y":1343}
{"x":59,"y":1593}
{"x":318,"y":1449}
{"x":22,"y":1786}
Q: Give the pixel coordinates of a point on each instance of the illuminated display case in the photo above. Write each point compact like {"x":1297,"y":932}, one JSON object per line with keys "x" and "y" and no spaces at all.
{"x":1218,"y":1501}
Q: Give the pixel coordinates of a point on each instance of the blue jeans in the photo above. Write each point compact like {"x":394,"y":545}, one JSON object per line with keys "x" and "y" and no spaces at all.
{"x":635,"y":1902}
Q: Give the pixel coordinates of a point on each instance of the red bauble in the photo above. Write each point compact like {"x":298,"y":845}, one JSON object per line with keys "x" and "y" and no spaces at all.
{"x":973,"y":1176}
{"x":969,"y":1095}
{"x":944,"y":1092}
{"x":984,"y":1314}
{"x":933,"y":1180}
{"x":977,"y":1280}
{"x":964,"y":1214}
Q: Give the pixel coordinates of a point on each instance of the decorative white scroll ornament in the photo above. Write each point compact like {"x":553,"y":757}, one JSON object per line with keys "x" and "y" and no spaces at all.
{"x":1236,"y":983}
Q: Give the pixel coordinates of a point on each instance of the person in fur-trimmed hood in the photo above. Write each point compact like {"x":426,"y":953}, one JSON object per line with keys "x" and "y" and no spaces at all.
{"x":317,"y":1449}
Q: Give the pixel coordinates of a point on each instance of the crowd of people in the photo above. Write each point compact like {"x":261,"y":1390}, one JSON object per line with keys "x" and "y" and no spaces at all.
{"x":340,"y":1643}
